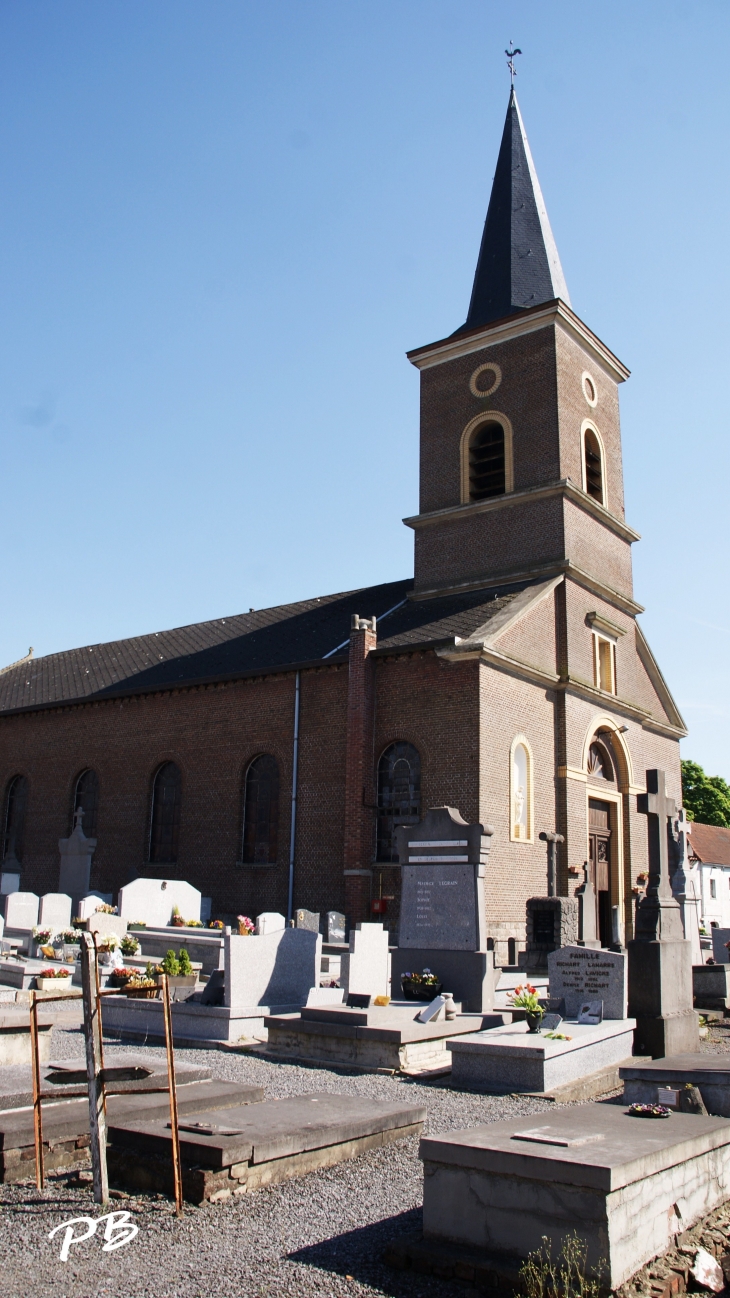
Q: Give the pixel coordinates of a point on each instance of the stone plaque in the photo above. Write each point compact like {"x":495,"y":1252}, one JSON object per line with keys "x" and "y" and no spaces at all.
{"x":439,"y":908}
{"x":579,"y":973}
{"x":335,"y":926}
{"x":308,"y":919}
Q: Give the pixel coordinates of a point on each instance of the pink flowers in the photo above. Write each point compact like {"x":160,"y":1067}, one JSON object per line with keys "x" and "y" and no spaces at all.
{"x":246,"y":926}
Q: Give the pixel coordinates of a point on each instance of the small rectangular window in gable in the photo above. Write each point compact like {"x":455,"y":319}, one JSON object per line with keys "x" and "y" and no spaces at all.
{"x":604,"y":664}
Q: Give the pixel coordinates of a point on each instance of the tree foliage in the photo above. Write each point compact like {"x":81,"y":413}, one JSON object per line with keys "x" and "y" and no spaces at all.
{"x":706,"y":798}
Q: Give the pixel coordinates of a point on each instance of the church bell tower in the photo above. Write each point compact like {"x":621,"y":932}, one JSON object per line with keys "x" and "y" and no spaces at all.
{"x":520,"y":466}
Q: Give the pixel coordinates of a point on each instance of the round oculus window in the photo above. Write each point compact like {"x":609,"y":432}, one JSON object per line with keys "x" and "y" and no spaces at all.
{"x":589,"y":390}
{"x":485,"y":380}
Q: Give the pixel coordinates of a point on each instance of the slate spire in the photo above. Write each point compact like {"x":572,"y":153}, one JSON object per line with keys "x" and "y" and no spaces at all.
{"x":518,"y":265}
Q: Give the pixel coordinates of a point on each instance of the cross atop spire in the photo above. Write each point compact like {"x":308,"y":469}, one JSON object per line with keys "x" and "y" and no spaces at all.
{"x":518,"y":265}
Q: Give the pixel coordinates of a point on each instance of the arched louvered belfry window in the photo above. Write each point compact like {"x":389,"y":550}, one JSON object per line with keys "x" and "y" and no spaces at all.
{"x":399,"y":795}
{"x":16,"y":801}
{"x":165,"y":818}
{"x":261,"y":812}
{"x":593,"y":459}
{"x":86,"y":799}
{"x":487,"y":461}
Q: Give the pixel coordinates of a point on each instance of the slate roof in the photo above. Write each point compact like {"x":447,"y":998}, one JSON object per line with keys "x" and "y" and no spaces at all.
{"x":518,"y":263}
{"x":284,"y":636}
{"x":710,"y":843}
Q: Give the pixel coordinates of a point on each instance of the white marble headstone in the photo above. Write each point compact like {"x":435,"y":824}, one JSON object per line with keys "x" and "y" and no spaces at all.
{"x":578,"y":973}
{"x":273,"y":969}
{"x":365,"y":968}
{"x":55,"y":911}
{"x":269,"y":921}
{"x":150,"y":901}
{"x":21,"y":910}
{"x":89,"y":904}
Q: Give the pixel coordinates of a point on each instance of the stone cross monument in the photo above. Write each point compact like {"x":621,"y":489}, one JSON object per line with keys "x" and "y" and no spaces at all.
{"x":551,"y":922}
{"x":660,"y":960}
{"x":76,"y":853}
{"x":686,"y":884}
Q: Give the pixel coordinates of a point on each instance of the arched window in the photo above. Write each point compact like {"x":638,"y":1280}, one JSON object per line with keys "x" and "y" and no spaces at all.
{"x":593,"y":465}
{"x":261,"y":812}
{"x":399,"y":795}
{"x":86,"y":799}
{"x":16,"y":800}
{"x":487,"y":461}
{"x":521,"y":791}
{"x":165,"y":818}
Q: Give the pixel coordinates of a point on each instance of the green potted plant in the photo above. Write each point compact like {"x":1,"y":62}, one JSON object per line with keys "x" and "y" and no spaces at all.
{"x":179,"y":969}
{"x":177,"y":920}
{"x":525,"y":998}
{"x":129,"y":944}
{"x":55,"y":980}
{"x":420,"y":986}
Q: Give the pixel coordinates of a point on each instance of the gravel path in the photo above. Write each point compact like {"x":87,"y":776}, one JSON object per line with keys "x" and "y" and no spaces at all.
{"x":321,"y":1234}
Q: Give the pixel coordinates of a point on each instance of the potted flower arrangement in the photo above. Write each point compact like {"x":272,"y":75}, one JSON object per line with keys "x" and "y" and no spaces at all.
{"x":106,"y":909}
{"x":136,"y":924}
{"x":246,"y":926}
{"x":217,"y":924}
{"x":107,"y":947}
{"x":177,"y":920}
{"x":129,"y":944}
{"x":55,"y":980}
{"x":71,"y":944}
{"x":525,"y":998}
{"x":420,"y":986}
{"x":194,"y":923}
{"x":141,"y":986}
{"x":118,"y":977}
{"x":41,"y":937}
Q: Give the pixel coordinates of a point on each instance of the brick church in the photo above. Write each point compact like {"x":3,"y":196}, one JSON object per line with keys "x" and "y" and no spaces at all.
{"x":267,"y":757}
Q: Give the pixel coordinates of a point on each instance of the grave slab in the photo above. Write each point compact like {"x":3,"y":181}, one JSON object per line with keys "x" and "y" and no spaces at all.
{"x":509,"y":1058}
{"x":193,"y":1023}
{"x":711,"y":1073}
{"x":383,"y":1037}
{"x":16,"y":1085}
{"x":249,"y":1147}
{"x":624,"y":1184}
{"x":577,"y":974}
{"x":66,"y":1125}
{"x":15,"y":1036}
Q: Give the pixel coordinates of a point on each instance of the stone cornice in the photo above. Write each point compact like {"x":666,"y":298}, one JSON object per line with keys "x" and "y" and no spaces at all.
{"x":537,"y":572}
{"x":556,"y":313}
{"x":564,"y":487}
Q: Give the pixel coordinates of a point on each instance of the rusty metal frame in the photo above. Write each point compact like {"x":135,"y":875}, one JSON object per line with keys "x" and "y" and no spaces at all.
{"x":171,"y":1089}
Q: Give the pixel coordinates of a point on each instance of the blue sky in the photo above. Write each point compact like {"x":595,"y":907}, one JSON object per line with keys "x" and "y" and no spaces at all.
{"x":222,"y":224}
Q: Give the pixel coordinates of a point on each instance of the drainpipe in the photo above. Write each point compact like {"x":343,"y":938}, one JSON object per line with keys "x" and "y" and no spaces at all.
{"x":293,"y":829}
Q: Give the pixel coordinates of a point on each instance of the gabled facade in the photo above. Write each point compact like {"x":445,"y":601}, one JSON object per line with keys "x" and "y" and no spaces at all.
{"x":267,"y":757}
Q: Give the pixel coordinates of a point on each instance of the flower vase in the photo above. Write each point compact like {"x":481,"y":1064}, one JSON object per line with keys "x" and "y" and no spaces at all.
{"x":533,"y":1022}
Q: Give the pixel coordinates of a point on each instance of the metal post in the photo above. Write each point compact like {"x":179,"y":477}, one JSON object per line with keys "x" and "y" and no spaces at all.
{"x":92,"y":1033}
{"x":175,"y":1130}
{"x":294,"y":782}
{"x":98,"y":1010}
{"x":37,"y":1110}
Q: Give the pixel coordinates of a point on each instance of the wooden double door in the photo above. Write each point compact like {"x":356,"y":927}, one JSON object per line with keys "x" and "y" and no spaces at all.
{"x":599,"y":858}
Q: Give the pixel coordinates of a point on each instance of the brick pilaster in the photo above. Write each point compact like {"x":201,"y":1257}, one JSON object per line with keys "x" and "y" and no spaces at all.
{"x":358,"y":854}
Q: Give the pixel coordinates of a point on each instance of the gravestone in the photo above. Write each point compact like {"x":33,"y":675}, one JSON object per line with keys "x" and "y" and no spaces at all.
{"x":21,"y":910}
{"x":206,"y":906}
{"x":442,"y":915}
{"x":578,"y":974}
{"x":269,"y":921}
{"x":151,"y":901}
{"x":308,"y":919}
{"x":10,"y":876}
{"x":55,"y":911}
{"x":660,"y":959}
{"x":551,"y":921}
{"x":686,"y":885}
{"x":278,"y":968}
{"x":335,"y":926}
{"x":720,"y":953}
{"x":76,"y":853}
{"x":365,"y":967}
{"x":90,"y":904}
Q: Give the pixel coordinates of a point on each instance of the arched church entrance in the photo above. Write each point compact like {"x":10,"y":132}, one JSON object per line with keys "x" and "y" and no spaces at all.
{"x":606,"y":770}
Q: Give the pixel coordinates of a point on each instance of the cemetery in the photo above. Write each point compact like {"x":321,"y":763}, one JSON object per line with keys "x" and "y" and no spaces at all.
{"x":577,"y":1022}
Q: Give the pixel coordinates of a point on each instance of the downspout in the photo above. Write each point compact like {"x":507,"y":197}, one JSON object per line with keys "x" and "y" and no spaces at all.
{"x":293,"y":829}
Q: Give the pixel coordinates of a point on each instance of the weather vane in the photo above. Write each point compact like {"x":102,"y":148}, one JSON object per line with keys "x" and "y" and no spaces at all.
{"x":511,"y":62}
